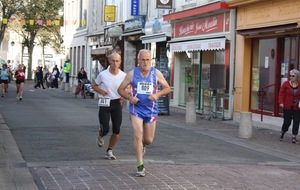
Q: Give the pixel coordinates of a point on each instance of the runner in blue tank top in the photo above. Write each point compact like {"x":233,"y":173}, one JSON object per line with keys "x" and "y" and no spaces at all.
{"x":144,"y":81}
{"x":142,"y":87}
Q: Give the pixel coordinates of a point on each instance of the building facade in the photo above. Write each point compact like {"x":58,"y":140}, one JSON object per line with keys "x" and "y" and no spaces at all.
{"x":267,"y":48}
{"x":202,"y":46}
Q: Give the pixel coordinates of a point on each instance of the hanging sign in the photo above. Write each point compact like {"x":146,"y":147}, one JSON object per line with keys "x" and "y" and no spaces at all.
{"x":109,"y":13}
{"x":164,"y":4}
{"x":135,"y":6}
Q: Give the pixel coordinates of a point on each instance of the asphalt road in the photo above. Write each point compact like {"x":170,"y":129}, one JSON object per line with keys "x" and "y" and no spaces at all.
{"x":52,"y":128}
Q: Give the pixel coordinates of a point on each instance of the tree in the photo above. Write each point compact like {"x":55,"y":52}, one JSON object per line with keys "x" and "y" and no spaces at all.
{"x":34,"y":10}
{"x":8,"y":8}
{"x":49,"y":36}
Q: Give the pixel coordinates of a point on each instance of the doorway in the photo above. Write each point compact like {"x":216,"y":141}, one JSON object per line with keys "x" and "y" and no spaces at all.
{"x":272,"y":59}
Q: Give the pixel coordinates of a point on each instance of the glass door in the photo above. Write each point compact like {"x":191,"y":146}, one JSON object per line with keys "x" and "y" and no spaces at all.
{"x":272,"y":59}
{"x":288,"y":57}
{"x":263,"y":80}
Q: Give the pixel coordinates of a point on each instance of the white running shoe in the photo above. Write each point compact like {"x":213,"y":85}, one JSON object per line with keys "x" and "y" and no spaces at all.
{"x":100,"y":141}
{"x":109,"y":155}
{"x":140,"y":171}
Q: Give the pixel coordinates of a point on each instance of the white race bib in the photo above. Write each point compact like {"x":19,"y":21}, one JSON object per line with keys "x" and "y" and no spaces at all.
{"x":145,"y":88}
{"x":104,"y":102}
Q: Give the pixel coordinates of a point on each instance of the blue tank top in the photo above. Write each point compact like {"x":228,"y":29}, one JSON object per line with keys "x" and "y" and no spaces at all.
{"x":142,"y":88}
{"x":4,"y":74}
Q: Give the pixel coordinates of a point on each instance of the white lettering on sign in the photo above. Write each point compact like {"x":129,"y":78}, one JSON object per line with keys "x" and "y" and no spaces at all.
{"x":207,"y":25}
{"x":186,"y":29}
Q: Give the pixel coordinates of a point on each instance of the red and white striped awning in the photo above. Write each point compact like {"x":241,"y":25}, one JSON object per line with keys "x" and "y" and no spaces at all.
{"x":199,"y":45}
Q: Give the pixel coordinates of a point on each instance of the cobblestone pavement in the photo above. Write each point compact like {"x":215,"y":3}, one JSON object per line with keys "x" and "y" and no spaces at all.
{"x":164,"y":174}
{"x":171,"y":176}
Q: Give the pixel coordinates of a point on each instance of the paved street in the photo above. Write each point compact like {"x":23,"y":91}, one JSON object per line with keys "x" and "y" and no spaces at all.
{"x":55,"y":135}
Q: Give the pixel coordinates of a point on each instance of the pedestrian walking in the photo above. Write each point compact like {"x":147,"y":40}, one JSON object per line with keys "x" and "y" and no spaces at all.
{"x":80,"y":76}
{"x":39,"y":78}
{"x":54,"y":77}
{"x":20,"y":79}
{"x":289,"y":100}
{"x":143,"y":106}
{"x":35,"y":72}
{"x":4,"y":79}
{"x":106,"y":84}
{"x":46,"y":76}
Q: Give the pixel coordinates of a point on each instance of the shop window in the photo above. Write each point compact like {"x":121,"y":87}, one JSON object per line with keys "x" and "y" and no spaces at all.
{"x":209,"y":58}
{"x":189,"y":77}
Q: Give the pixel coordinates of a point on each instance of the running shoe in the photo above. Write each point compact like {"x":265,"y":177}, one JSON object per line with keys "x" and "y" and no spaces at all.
{"x":140,"y":171}
{"x":281,"y":136}
{"x":109,"y":155}
{"x":294,"y":140}
{"x":100,"y":141}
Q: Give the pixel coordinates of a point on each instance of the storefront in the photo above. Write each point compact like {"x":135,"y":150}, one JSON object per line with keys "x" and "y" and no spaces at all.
{"x":267,"y":48}
{"x":97,"y":54}
{"x":133,"y":30}
{"x":203,"y":58}
{"x":157,"y":33}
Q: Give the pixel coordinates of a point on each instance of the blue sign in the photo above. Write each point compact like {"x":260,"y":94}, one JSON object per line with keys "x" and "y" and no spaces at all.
{"x":135,"y":6}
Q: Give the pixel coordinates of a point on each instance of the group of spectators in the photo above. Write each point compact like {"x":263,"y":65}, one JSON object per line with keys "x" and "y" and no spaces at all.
{"x":49,"y":78}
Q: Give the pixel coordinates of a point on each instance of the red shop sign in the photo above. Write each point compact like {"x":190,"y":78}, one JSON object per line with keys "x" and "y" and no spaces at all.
{"x":206,"y":25}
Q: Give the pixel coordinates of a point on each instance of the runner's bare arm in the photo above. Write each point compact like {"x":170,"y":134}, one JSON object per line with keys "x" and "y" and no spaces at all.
{"x":123,"y":88}
{"x":165,"y":86}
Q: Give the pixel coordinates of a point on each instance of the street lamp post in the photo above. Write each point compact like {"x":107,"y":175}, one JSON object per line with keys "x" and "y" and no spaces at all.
{"x":114,"y":33}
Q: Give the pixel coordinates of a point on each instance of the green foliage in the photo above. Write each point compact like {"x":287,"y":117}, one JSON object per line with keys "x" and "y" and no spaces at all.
{"x":8,"y":8}
{"x":42,"y":34}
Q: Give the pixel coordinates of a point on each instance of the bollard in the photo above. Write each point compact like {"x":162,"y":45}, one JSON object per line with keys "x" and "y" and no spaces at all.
{"x":245,"y":129}
{"x":190,"y":113}
{"x":62,"y":85}
{"x":67,"y":87}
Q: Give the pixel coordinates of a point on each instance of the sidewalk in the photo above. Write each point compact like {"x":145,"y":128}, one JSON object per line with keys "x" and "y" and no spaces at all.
{"x":14,"y":173}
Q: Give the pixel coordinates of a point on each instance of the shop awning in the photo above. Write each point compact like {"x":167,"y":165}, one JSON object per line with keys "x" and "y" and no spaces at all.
{"x":136,"y":32}
{"x":161,"y":37}
{"x":199,"y":45}
{"x":101,"y":50}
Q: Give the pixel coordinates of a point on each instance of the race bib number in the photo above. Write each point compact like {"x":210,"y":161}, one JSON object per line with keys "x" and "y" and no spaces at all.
{"x":145,"y":88}
{"x":104,"y":102}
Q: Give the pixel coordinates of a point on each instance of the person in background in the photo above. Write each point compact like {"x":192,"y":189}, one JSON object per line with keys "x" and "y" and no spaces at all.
{"x":45,"y":77}
{"x":39,"y":78}
{"x":35,"y":74}
{"x":106,"y":84}
{"x":289,"y":96}
{"x":55,"y":75}
{"x":20,"y":79}
{"x":4,"y":79}
{"x":80,"y":76}
{"x":62,"y":74}
{"x":143,"y":107}
{"x":67,"y":70}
